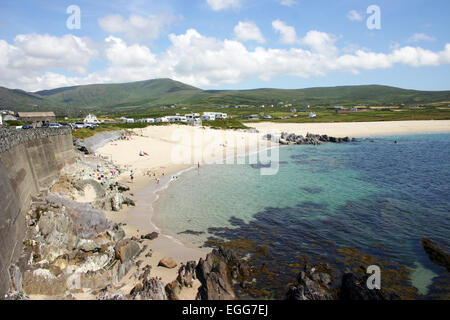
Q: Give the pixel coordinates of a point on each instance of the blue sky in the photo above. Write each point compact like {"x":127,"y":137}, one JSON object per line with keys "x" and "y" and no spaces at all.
{"x":218,"y":44}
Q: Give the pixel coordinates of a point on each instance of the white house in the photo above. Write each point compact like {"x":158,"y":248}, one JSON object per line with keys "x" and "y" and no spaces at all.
{"x":129,"y":120}
{"x":192,"y":116}
{"x":312,"y":115}
{"x":174,"y":118}
{"x":1,"y":118}
{"x":147,"y":120}
{"x":90,"y":118}
{"x":208,"y":117}
{"x":162,"y":120}
{"x":217,"y":115}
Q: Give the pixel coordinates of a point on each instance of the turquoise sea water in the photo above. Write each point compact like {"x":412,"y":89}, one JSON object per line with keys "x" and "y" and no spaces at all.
{"x":369,"y":194}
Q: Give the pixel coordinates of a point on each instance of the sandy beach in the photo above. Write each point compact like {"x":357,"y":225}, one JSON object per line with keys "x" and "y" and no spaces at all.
{"x":356,"y":129}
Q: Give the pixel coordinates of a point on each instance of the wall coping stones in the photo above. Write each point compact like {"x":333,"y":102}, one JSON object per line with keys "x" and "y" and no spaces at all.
{"x":10,"y":138}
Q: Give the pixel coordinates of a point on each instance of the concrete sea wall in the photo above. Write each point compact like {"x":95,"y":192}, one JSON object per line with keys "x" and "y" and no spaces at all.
{"x":30,"y":160}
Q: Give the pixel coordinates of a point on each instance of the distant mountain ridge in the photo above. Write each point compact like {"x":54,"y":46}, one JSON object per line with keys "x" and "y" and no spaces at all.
{"x":143,"y":95}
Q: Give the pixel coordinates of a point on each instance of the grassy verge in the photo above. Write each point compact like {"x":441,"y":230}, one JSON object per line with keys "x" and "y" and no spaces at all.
{"x":225,"y":124}
{"x":86,"y":133}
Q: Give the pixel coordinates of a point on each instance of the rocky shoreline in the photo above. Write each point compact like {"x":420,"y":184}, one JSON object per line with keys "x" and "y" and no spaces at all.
{"x":310,"y":139}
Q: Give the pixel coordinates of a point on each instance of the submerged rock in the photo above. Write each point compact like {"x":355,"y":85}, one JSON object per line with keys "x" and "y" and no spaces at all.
{"x":355,"y":288}
{"x":436,"y":254}
{"x":311,"y":285}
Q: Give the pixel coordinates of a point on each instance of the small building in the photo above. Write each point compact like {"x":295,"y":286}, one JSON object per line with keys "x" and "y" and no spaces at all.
{"x":293,"y":110}
{"x":174,"y":118}
{"x":208,"y":117}
{"x":268,"y":117}
{"x":216,"y":115}
{"x":192,"y":116}
{"x":312,"y":115}
{"x":147,"y":120}
{"x":128,"y":120}
{"x":37,"y":118}
{"x":90,"y":118}
{"x":162,"y":120}
{"x":1,"y":119}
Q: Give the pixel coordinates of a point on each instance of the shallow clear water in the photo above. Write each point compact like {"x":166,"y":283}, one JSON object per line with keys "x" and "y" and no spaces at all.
{"x":357,"y":194}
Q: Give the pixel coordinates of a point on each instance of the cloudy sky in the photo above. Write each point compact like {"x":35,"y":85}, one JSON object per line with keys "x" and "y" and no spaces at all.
{"x":225,"y":44}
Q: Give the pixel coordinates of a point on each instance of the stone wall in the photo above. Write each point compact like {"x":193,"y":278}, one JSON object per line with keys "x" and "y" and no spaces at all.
{"x":30,"y":160}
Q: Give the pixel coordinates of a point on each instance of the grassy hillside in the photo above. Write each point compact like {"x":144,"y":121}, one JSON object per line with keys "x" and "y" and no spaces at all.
{"x":147,"y":97}
{"x":119,"y":96}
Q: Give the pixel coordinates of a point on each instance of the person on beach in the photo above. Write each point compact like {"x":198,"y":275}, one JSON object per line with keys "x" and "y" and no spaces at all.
{"x":132,"y":176}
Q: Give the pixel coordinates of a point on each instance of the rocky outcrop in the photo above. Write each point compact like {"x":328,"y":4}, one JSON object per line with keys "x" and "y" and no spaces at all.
{"x":311,"y":285}
{"x":436,"y":254}
{"x":126,"y":250}
{"x":310,"y":139}
{"x":355,"y":288}
{"x":215,"y":276}
{"x":149,"y":289}
{"x":71,"y":246}
{"x":167,"y":263}
{"x":186,"y":274}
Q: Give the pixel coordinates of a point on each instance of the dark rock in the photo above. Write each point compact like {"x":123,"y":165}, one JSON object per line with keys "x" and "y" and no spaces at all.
{"x":436,"y":254}
{"x":151,"y":289}
{"x":150,"y":236}
{"x":355,"y":288}
{"x":186,"y":274}
{"x":144,"y":276}
{"x":126,"y":250}
{"x":191,"y":232}
{"x":214,"y":275}
{"x":311,"y":285}
{"x":173,"y":290}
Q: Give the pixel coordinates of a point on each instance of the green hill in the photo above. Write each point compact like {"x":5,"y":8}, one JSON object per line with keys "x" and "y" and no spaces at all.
{"x":143,"y":96}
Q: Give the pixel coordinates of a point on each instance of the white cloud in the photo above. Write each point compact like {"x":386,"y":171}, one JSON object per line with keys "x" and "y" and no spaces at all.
{"x":288,"y":33}
{"x":136,"y":27}
{"x":288,"y":3}
{"x":354,"y":15}
{"x":218,"y":5}
{"x":22,"y":63}
{"x":417,"y":37}
{"x":193,"y":58}
{"x":248,"y":31}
